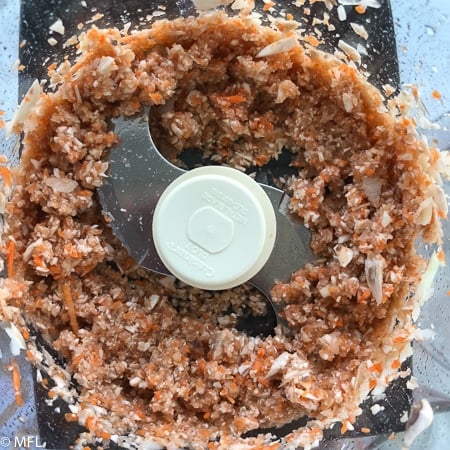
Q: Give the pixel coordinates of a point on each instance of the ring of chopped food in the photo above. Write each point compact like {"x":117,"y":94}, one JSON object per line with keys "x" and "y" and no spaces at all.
{"x":156,"y":362}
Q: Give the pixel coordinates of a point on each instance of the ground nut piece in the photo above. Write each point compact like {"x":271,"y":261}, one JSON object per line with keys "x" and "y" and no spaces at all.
{"x":66,"y":141}
{"x":91,"y":173}
{"x":286,"y":89}
{"x":62,"y":247}
{"x":307,"y":199}
{"x":58,"y":193}
{"x":182,"y":127}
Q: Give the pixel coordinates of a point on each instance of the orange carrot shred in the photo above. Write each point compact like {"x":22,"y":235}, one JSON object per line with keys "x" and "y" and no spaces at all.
{"x":2,"y":123}
{"x":441,"y":256}
{"x":344,"y":427}
{"x":25,"y":333}
{"x":312,"y":40}
{"x":71,"y":417}
{"x":234,"y":99}
{"x":5,"y":173}
{"x":376,"y":368}
{"x":10,"y":259}
{"x":70,"y":307}
{"x":268,"y":5}
{"x":396,"y":364}
{"x":16,"y":381}
{"x":436,"y":94}
{"x":360,"y":9}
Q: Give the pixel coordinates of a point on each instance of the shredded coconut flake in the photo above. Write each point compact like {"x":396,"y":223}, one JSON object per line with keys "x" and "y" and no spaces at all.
{"x":63,"y":185}
{"x":17,"y":342}
{"x":24,"y":109}
{"x":359,"y":30}
{"x":350,"y":51}
{"x":342,"y":14}
{"x":372,"y":188}
{"x":374,"y":276}
{"x":343,"y":254}
{"x":204,"y":5}
{"x":281,"y":46}
{"x":278,"y":364}
{"x":364,"y":3}
{"x":58,"y":27}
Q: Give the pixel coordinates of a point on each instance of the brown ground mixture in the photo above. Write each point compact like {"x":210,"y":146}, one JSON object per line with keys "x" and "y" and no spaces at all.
{"x":162,"y":362}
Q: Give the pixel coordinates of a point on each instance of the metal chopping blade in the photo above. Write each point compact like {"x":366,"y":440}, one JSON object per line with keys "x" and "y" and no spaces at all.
{"x":139,"y":174}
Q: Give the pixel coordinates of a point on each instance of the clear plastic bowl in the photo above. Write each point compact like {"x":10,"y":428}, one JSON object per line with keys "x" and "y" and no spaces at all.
{"x":423,"y":48}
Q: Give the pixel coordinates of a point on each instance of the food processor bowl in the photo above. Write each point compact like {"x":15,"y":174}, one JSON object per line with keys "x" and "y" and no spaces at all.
{"x":422,"y":40}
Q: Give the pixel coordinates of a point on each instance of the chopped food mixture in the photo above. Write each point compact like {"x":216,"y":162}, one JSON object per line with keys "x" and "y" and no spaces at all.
{"x":151,"y":361}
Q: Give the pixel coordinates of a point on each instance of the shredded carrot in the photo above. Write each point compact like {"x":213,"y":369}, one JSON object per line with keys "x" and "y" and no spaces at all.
{"x":376,"y":368}
{"x":312,"y":40}
{"x":29,"y":355}
{"x":289,"y":16}
{"x":10,"y":259}
{"x":363,"y":295}
{"x":25,"y":333}
{"x":372,"y":383}
{"x":268,"y":5}
{"x":396,"y":364}
{"x":16,"y":381}
{"x":2,"y":123}
{"x":90,"y":422}
{"x":360,"y":9}
{"x":67,"y":294}
{"x":52,"y":394}
{"x":234,"y":99}
{"x":442,"y":214}
{"x":260,"y":160}
{"x":365,"y":430}
{"x":103,"y":434}
{"x":156,"y":97}
{"x":71,"y":417}
{"x":344,"y":427}
{"x":441,"y":257}
{"x":435,"y":155}
{"x":399,"y":340}
{"x":436,"y":95}
{"x":5,"y":173}
{"x":448,"y":292}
